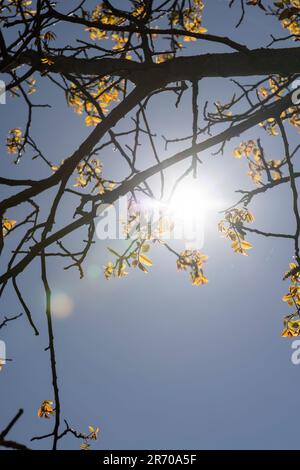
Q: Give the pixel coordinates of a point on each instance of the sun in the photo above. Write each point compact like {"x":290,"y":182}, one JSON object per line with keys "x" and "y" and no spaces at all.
{"x":194,"y":200}
{"x":192,"y":205}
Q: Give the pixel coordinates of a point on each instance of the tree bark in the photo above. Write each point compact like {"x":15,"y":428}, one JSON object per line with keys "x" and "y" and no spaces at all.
{"x":258,"y":62}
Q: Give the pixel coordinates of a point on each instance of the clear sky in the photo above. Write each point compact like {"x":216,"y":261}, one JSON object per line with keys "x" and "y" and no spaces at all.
{"x":153,"y":361}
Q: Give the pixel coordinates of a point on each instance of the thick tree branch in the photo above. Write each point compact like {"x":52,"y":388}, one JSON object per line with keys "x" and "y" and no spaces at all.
{"x":256,"y":62}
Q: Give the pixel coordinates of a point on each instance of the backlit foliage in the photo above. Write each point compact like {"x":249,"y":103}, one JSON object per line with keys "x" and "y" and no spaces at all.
{"x":141,"y":233}
{"x":193,"y":260}
{"x":275,"y":89}
{"x":108,"y":74}
{"x":257,"y":164}
{"x":7,"y":225}
{"x":14,"y":141}
{"x":232,"y":227}
{"x":270,"y":126}
{"x":94,"y":98}
{"x":46,"y":409}
{"x":90,"y":172}
{"x":190,"y":19}
{"x":31,"y":82}
{"x":288,"y":12}
{"x":25,"y":5}
{"x":134,"y":256}
{"x":160,"y":58}
{"x":105,"y":16}
{"x":106,"y":92}
{"x":47,"y":61}
{"x":292,"y":298}
{"x":91,"y":436}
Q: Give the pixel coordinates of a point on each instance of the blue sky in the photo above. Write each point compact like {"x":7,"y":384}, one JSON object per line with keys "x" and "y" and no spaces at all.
{"x":153,"y":361}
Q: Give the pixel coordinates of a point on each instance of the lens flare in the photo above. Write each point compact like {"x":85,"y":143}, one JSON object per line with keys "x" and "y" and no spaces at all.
{"x":62,"y":305}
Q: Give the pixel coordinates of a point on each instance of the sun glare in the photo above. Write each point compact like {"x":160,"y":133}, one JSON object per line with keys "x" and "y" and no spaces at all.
{"x":192,"y":209}
{"x":192,"y":201}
